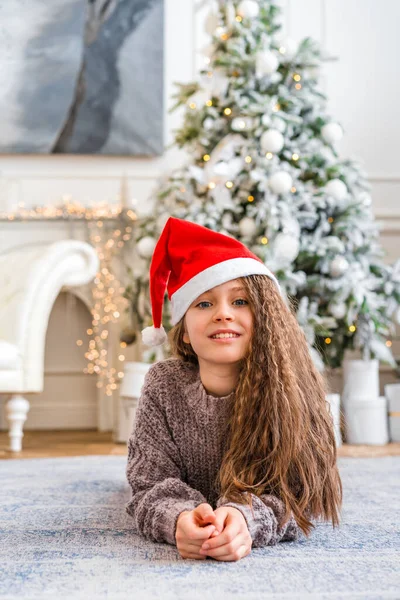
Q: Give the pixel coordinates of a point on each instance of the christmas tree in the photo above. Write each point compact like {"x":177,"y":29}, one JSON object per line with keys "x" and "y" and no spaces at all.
{"x":262,"y":167}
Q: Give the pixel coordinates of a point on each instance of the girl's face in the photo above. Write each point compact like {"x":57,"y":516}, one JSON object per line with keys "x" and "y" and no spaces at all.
{"x":225,"y":306}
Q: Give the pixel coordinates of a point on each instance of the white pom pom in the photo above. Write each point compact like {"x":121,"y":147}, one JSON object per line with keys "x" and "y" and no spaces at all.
{"x":152,"y":336}
{"x":332,"y":132}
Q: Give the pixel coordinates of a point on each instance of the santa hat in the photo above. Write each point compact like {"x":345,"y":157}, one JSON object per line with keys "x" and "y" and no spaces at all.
{"x":190,"y":259}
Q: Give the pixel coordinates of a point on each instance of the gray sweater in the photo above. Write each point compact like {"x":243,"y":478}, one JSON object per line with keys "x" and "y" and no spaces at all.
{"x":174,"y":454}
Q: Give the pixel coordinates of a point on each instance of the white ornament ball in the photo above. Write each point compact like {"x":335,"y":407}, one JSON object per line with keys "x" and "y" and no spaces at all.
{"x":218,"y":84}
{"x":248,"y":9}
{"x":287,"y":47}
{"x":280,"y":182}
{"x":222,"y":197}
{"x":338,"y":266}
{"x":266,"y":63}
{"x":211,"y":23}
{"x":145,"y":246}
{"x":338,"y":309}
{"x":365,"y":198}
{"x":227,"y":220}
{"x":230,"y":14}
{"x":266,"y":120}
{"x":336,"y":188}
{"x":332,"y":132}
{"x":272,"y":141}
{"x":286,"y":247}
{"x":278,"y":123}
{"x":247,"y":227}
{"x":218,"y":172}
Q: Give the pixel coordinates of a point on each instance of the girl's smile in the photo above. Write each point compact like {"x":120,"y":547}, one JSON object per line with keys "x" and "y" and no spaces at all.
{"x":225,"y":339}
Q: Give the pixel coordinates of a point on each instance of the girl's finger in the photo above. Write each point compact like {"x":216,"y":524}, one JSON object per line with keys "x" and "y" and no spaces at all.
{"x":226,"y":555}
{"x":202,"y":533}
{"x":216,"y":532}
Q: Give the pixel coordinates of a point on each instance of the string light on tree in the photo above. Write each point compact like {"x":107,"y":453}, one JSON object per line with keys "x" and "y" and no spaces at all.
{"x":240,"y":124}
{"x":287,"y":47}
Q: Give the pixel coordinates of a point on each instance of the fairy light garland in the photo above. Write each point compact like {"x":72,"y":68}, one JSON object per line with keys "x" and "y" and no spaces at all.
{"x":108,"y":301}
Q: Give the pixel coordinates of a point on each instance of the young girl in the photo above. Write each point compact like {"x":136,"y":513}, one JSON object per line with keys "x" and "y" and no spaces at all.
{"x":237,"y":418}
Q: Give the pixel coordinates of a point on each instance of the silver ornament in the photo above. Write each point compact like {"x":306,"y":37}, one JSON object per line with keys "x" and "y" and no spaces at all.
{"x":338,"y":266}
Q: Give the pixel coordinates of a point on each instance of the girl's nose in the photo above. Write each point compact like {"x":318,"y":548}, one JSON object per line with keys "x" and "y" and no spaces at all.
{"x":223,"y":313}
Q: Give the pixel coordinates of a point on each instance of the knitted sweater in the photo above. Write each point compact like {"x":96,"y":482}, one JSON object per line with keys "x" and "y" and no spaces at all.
{"x":175,"y":452}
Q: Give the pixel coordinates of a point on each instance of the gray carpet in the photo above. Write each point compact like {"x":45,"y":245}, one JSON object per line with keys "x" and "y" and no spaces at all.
{"x":64,"y":533}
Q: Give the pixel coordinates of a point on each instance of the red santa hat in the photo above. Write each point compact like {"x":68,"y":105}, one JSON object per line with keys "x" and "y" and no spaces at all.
{"x":190,"y":259}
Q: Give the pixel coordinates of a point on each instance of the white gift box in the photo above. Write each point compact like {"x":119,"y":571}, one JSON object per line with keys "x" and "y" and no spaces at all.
{"x":360,"y":380}
{"x":130,"y":390}
{"x":367,"y":421}
{"x":392,"y":393}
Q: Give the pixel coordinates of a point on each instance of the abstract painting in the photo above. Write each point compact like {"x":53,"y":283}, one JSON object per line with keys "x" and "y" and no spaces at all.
{"x":81,"y":76}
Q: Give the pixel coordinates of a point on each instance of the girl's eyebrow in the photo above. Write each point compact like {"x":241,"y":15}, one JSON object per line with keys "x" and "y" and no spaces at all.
{"x":234,"y":289}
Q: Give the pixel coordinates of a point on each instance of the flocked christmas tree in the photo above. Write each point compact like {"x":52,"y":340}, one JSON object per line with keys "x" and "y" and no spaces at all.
{"x":263,"y":168}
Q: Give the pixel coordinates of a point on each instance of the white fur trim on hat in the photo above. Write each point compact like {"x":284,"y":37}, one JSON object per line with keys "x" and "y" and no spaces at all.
{"x":215,"y":275}
{"x":154,"y":336}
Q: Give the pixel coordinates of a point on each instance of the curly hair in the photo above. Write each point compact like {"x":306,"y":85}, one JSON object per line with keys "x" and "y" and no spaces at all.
{"x":280,"y":436}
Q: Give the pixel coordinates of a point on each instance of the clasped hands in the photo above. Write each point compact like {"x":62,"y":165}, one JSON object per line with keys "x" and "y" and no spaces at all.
{"x":224,"y":530}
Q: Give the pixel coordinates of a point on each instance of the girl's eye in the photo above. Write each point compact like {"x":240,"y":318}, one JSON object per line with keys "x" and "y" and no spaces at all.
{"x":238,"y":300}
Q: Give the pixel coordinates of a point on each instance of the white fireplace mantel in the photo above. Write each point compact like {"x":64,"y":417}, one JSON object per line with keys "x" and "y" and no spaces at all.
{"x":19,"y":233}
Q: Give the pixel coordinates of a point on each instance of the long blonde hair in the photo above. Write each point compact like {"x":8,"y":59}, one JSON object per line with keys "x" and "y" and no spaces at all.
{"x":280,"y":436}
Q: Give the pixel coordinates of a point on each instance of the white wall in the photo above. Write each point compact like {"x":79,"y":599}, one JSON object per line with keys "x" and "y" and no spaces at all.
{"x":362,"y":86}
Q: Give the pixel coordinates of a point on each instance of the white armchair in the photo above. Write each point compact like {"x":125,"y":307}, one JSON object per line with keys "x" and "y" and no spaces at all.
{"x":31,"y":278}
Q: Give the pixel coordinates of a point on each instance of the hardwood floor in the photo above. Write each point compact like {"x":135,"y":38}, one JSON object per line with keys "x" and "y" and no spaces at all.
{"x":48,"y":444}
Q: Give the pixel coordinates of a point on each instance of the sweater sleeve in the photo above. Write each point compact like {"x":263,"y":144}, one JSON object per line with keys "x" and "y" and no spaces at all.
{"x":153,"y":471}
{"x":264,"y":521}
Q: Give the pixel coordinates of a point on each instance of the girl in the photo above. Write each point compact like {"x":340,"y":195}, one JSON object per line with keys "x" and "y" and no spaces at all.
{"x":237,"y":417}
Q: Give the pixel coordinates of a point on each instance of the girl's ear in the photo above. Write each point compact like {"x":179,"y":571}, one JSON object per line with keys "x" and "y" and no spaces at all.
{"x":186,"y":338}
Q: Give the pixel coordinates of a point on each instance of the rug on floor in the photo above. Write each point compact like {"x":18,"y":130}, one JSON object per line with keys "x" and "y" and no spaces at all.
{"x":64,"y":533}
